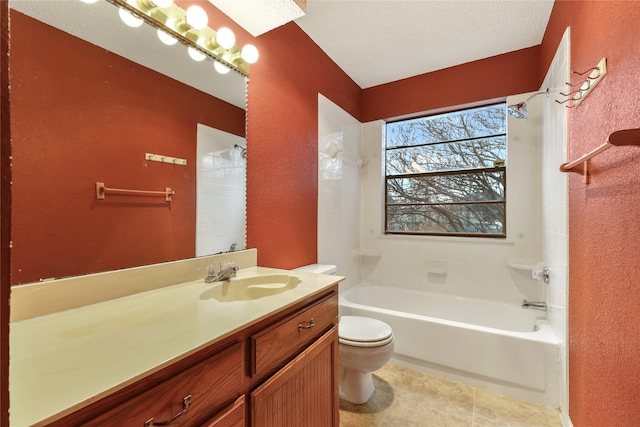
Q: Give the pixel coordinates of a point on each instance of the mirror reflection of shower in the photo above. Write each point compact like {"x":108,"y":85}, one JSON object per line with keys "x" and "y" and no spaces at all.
{"x":221,"y":191}
{"x":519,"y":110}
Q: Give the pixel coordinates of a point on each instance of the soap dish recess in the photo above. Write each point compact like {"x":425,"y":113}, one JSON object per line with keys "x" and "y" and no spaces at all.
{"x":437,"y":266}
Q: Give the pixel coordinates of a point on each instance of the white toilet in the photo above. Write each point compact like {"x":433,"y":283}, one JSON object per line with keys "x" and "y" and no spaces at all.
{"x":365,"y":345}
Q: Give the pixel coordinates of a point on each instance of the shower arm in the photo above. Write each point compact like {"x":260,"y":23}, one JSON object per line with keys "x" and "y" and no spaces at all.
{"x":519,"y":110}
{"x":546,"y":92}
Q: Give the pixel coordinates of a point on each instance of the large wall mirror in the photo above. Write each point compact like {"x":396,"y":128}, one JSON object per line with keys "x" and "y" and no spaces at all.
{"x":90,"y":97}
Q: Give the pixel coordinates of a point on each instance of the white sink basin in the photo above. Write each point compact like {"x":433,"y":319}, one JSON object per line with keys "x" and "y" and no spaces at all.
{"x":251,"y":288}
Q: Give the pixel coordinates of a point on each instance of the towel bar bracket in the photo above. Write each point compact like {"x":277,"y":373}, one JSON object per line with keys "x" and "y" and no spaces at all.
{"x":582,"y":169}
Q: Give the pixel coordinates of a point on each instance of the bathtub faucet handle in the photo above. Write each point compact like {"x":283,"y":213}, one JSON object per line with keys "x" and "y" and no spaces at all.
{"x":543,"y":274}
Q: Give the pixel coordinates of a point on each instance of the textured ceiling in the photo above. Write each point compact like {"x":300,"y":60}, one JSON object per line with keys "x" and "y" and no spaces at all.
{"x":259,"y":16}
{"x":376,"y":41}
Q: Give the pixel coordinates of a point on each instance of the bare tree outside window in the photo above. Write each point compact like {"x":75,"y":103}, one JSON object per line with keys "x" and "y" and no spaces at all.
{"x":446,"y":175}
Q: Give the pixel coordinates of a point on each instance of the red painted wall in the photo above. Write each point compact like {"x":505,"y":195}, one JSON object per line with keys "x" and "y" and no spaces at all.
{"x":118,"y":112}
{"x":495,"y":77}
{"x":282,"y":133}
{"x":604,"y":219}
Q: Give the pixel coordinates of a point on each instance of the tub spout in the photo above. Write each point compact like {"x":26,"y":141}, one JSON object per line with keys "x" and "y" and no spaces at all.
{"x":536,"y":305}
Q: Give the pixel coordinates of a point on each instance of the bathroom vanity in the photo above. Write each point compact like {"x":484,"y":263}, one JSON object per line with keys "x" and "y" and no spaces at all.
{"x":177,"y":353}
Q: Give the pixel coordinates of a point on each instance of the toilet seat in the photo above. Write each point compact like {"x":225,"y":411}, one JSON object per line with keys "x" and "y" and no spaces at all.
{"x":360,"y":331}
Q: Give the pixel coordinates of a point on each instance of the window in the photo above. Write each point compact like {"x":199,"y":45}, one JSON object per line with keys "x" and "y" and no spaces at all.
{"x":445,"y":174}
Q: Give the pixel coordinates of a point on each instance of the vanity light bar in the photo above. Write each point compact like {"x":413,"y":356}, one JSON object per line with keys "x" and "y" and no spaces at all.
{"x":160,"y":18}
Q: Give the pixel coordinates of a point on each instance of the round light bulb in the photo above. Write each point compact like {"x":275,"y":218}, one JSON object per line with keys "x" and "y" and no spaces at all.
{"x":220,"y":67}
{"x":196,"y":55}
{"x":225,"y":38}
{"x":249,"y":54}
{"x":197,"y":17}
{"x":129,"y":19}
{"x":162,"y":3}
{"x":89,"y":1}
{"x":167,"y":38}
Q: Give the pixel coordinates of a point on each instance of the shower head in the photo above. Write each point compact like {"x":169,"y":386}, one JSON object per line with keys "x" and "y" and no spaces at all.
{"x":519,"y":110}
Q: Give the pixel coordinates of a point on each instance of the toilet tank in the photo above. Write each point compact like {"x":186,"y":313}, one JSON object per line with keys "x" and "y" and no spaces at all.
{"x":318,"y":268}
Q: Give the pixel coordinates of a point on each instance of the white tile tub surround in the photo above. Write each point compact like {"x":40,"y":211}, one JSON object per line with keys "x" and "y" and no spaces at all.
{"x":221,"y":197}
{"x":475,"y":267}
{"x":554,"y":247}
{"x":338,"y":190}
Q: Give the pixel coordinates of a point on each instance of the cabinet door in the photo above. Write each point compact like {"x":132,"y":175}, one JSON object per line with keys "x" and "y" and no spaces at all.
{"x":304,"y":392}
{"x":232,"y":416}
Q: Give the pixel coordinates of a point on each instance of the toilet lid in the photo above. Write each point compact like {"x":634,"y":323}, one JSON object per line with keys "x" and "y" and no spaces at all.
{"x":363,"y":331}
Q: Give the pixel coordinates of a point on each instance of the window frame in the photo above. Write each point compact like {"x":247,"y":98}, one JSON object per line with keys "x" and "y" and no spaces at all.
{"x":460,"y":171}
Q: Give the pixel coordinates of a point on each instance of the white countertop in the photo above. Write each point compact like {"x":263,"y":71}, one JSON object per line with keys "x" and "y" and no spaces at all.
{"x":64,"y":361}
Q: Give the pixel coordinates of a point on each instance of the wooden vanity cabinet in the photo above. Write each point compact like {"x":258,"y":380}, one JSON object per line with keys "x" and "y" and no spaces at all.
{"x":280,"y":371}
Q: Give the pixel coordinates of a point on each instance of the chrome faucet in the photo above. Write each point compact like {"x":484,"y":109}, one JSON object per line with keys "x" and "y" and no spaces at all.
{"x":227,"y":271}
{"x":536,"y":305}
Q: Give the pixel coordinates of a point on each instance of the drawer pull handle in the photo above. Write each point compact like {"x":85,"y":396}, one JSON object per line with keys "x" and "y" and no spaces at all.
{"x":310,"y":325}
{"x":186,"y":402}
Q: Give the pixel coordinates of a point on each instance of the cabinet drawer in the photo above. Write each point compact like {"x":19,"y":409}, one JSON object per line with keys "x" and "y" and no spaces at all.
{"x":279,"y":343}
{"x":202,"y":389}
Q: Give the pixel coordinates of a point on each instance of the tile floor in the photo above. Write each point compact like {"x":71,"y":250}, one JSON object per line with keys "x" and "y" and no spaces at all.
{"x":406,"y":398}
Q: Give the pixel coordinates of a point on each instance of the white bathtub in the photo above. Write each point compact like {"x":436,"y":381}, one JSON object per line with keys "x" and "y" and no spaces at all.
{"x":495,"y":342}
